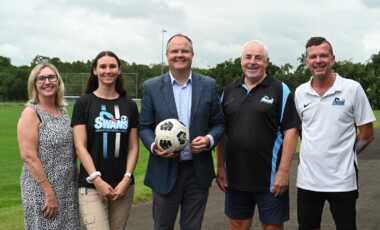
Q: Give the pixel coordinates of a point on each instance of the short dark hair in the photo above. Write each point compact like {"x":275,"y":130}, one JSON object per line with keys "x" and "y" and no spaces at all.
{"x":179,"y":35}
{"x":316,"y":41}
{"x":92,"y":82}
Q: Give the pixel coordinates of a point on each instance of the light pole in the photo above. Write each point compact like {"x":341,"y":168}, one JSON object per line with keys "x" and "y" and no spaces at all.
{"x":162,"y":51}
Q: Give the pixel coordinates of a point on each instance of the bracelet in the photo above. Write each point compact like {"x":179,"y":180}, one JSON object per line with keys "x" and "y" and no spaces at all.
{"x":90,"y":179}
{"x":128,"y":174}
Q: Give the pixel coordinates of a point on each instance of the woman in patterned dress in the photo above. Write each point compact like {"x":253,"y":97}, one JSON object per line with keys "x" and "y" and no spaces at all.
{"x":48,"y":179}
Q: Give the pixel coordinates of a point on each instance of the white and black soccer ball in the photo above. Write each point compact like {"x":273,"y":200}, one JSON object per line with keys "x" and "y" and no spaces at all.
{"x":171,"y":135}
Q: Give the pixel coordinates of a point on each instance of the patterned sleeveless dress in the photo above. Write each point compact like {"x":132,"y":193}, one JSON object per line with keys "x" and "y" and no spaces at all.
{"x":56,"y":152}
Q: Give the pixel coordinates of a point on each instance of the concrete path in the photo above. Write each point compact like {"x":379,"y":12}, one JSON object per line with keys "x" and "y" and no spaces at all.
{"x":368,"y":205}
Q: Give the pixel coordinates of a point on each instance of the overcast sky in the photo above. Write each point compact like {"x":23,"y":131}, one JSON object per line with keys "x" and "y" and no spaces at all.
{"x":79,"y":29}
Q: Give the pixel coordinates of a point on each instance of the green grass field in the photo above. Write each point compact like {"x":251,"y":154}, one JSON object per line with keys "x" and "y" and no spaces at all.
{"x":377,"y":123}
{"x":11,"y":214}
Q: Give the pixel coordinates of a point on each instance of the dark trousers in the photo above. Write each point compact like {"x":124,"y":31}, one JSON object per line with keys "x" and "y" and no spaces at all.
{"x":186,"y":195}
{"x":342,"y":205}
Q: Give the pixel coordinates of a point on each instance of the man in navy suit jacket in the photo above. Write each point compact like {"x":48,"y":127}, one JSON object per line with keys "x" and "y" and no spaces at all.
{"x":181,"y":179}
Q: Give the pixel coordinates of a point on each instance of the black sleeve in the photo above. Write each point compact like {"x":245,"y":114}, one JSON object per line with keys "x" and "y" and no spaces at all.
{"x":290,"y":118}
{"x":80,"y":115}
{"x":134,"y":115}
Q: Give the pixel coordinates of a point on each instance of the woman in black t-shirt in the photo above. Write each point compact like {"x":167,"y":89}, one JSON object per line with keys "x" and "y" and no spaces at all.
{"x":105,"y":125}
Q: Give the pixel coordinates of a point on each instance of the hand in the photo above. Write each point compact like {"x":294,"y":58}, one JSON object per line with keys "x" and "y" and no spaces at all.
{"x":281,"y":183}
{"x":121,"y":188}
{"x":221,"y":179}
{"x":104,"y":188}
{"x":50,"y":208}
{"x":162,"y":153}
{"x":199,"y":144}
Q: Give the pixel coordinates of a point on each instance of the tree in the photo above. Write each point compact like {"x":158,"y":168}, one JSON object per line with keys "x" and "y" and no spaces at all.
{"x":374,"y":64}
{"x":226,"y":72}
{"x":39,"y":59}
{"x":13,"y":79}
{"x":5,"y":62}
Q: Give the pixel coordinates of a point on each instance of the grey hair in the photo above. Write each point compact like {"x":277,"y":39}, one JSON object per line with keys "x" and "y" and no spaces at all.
{"x":255,"y":42}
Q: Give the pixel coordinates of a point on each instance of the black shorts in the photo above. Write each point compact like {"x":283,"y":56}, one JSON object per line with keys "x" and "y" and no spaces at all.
{"x":342,"y":206}
{"x":240,"y":205}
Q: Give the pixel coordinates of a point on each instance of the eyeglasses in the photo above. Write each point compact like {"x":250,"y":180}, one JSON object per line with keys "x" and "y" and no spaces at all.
{"x":51,"y":78}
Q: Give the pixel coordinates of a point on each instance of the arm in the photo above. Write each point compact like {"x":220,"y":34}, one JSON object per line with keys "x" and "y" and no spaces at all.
{"x":216,"y":123}
{"x":364,"y":119}
{"x":221,"y":179}
{"x":147,"y":125}
{"x":216,"y":119}
{"x":147,"y":119}
{"x":281,"y":182}
{"x":364,"y":138}
{"x":133,"y":154}
{"x":27,"y":134}
{"x":80,"y":141}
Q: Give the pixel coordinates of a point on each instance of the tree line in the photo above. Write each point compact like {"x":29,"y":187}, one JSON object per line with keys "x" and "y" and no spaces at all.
{"x":13,"y":79}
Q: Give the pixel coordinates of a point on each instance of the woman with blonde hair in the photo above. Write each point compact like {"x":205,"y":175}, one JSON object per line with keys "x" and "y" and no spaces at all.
{"x":48,"y":179}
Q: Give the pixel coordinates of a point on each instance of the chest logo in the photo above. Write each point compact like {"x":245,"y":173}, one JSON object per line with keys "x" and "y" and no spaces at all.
{"x":267,"y":100}
{"x":338,"y":101}
{"x":108,"y":122}
{"x":306,"y":105}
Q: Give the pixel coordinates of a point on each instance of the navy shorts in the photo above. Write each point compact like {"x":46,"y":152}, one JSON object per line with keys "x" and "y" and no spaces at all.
{"x":240,"y":205}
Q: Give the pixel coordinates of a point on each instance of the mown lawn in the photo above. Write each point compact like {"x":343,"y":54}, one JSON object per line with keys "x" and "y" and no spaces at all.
{"x":377,"y":123}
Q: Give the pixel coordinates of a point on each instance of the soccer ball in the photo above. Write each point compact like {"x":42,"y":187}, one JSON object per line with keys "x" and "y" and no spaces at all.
{"x":171,"y":135}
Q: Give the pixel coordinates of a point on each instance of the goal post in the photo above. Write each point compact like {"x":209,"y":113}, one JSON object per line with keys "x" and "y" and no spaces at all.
{"x":75,"y":85}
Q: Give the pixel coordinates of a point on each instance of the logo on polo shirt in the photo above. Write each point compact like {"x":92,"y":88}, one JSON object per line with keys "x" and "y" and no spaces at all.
{"x":267,"y":100}
{"x":306,"y":105}
{"x":338,"y":101}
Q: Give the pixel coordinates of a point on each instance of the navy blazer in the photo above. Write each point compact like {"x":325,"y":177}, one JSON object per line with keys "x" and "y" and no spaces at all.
{"x":206,"y":117}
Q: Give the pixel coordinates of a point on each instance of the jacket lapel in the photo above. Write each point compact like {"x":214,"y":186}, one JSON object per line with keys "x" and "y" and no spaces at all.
{"x":196,"y":95}
{"x":168,"y":94}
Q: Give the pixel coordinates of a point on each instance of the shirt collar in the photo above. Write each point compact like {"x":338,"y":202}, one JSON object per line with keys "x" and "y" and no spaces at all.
{"x":336,"y":87}
{"x":174,"y":81}
{"x":267,"y":80}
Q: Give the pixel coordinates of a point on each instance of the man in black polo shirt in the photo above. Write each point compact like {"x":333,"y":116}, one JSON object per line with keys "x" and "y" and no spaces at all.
{"x":261,"y":135}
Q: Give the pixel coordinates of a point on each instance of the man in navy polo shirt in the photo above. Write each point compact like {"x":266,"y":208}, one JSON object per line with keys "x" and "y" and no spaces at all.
{"x":337,"y":124}
{"x":261,"y":133}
